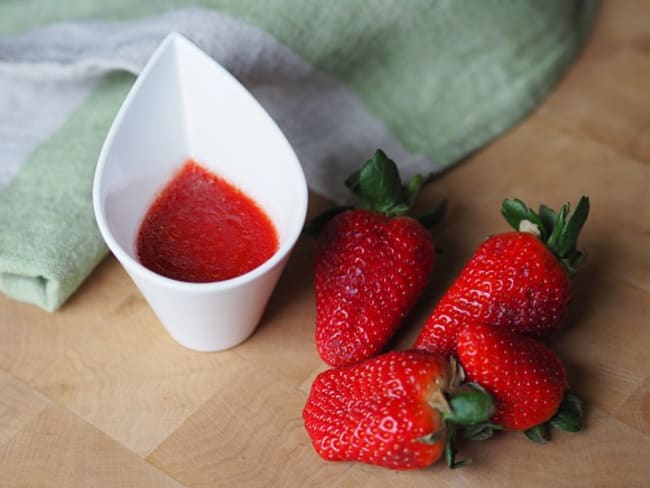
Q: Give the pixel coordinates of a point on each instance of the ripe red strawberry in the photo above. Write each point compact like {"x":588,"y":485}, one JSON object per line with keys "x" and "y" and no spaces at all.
{"x":527,"y":379}
{"x":515,"y":280}
{"x":371,"y":265}
{"x":391,"y":410}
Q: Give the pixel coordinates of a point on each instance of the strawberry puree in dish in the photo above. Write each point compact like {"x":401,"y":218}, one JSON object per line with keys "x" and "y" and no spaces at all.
{"x":201,"y":229}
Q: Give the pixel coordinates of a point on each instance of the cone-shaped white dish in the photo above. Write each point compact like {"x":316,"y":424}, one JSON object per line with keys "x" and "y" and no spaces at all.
{"x":185,"y":105}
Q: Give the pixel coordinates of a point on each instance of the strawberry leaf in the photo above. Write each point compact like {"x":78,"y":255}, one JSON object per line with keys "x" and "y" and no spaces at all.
{"x":568,"y":237}
{"x":470,"y":405}
{"x":548,"y":217}
{"x":481,"y":431}
{"x":567,"y":418}
{"x":558,"y":230}
{"x":470,"y":408}
{"x":377,"y":185}
{"x":538,"y":434}
{"x":515,"y":212}
{"x":432,"y":438}
{"x":451,"y":451}
{"x":569,"y":415}
{"x":558,"y":225}
{"x":434,"y":217}
{"x":412,"y":189}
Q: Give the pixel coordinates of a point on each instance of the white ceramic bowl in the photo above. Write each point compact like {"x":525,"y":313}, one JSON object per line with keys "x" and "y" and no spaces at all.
{"x":184,"y":105}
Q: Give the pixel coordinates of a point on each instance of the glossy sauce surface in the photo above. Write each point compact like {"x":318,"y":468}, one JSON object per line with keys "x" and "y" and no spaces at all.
{"x":201,"y":228}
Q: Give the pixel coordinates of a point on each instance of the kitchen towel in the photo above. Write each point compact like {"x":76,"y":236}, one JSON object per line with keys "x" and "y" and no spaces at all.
{"x":427,"y":81}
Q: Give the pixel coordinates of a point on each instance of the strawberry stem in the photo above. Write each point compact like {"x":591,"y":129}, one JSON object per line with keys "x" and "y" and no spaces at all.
{"x":558,"y":230}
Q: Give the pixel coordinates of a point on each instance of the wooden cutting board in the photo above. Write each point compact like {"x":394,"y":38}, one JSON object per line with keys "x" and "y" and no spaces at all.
{"x":97,"y":394}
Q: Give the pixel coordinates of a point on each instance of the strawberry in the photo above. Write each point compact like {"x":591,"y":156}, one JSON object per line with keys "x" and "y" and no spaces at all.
{"x":516,"y":280}
{"x":392,"y":410}
{"x":527,"y":379}
{"x":371,"y":264}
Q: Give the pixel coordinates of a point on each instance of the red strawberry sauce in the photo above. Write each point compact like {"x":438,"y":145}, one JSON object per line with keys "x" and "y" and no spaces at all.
{"x":200,"y":228}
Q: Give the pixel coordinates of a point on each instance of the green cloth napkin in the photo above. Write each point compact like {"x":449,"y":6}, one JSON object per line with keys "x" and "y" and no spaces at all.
{"x":429,"y":81}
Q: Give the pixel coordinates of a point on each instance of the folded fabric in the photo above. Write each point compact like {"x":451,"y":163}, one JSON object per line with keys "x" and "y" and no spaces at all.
{"x":429,"y":82}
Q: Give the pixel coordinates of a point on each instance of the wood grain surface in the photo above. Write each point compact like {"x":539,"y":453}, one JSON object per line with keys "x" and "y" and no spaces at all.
{"x":97,"y":394}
